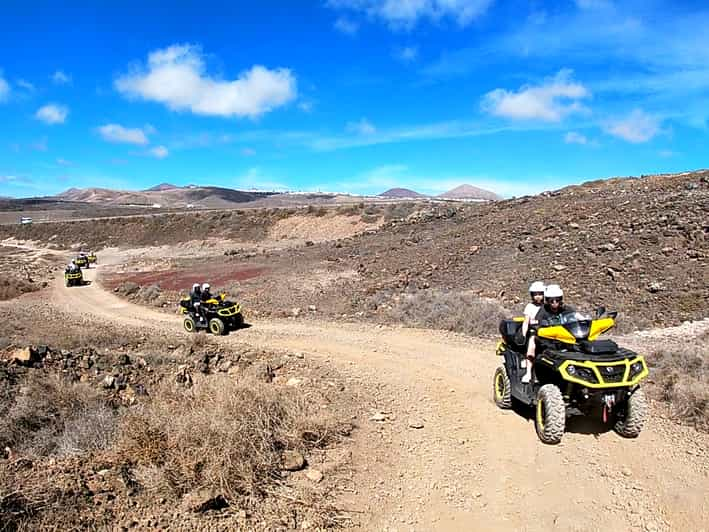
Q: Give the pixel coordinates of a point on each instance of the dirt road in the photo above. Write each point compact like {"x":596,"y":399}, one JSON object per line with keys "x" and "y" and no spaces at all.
{"x":471,"y":466}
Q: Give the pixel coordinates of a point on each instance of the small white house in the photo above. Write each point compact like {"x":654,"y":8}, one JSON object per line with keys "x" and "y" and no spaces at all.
{"x":25,"y":220}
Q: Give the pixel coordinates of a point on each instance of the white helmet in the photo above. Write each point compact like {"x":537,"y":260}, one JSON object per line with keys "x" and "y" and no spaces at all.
{"x":537,"y":286}
{"x":205,"y":286}
{"x":553,"y":290}
{"x":195,"y":287}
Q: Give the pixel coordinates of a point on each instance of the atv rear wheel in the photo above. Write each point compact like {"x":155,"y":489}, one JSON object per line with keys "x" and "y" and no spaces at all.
{"x":189,"y":324}
{"x":550,"y":419}
{"x":216,"y":326}
{"x":502,"y":392}
{"x":631,"y":423}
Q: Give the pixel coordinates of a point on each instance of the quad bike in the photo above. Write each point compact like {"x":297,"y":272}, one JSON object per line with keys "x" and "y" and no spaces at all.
{"x":92,"y":258}
{"x":575,"y":374}
{"x":81,"y":261}
{"x":218,"y":315}
{"x":73,"y":277}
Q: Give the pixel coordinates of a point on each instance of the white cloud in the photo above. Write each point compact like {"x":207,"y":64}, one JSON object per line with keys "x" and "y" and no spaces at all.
{"x":176,"y":77}
{"x":346,"y":26}
{"x":407,"y":13}
{"x":575,"y":138}
{"x":362,"y":127}
{"x":407,"y":54}
{"x":4,"y":89}
{"x":25,"y":85}
{"x":52,"y":113}
{"x":60,"y":78}
{"x":637,"y":127}
{"x":159,"y":152}
{"x":118,"y":133}
{"x":551,"y":101}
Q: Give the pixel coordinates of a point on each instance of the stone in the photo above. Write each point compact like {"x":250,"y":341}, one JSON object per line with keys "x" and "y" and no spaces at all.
{"x":108,"y":381}
{"x":607,"y":247}
{"x":293,"y":381}
{"x":314,"y":475}
{"x":202,"y":500}
{"x":559,"y":267}
{"x":25,"y":356}
{"x":293,"y":460}
{"x":295,"y":312}
{"x":379,"y":417}
{"x":312,"y":308}
{"x":416,"y":424}
{"x":654,"y":287}
{"x":183,"y":375}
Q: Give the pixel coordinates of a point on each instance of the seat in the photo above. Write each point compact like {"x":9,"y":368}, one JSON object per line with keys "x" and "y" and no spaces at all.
{"x":511,"y":331}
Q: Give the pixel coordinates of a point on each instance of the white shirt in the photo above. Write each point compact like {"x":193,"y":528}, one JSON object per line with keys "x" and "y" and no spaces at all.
{"x":531,"y":310}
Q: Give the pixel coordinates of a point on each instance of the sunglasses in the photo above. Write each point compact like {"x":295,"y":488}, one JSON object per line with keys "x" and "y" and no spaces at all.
{"x":535,"y":294}
{"x":552,"y":300}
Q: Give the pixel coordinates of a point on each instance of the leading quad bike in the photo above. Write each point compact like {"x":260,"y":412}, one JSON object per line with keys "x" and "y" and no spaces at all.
{"x":575,"y":373}
{"x":217,"y":315}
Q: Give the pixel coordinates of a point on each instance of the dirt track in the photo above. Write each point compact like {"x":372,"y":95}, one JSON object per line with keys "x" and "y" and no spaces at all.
{"x":472,"y":466}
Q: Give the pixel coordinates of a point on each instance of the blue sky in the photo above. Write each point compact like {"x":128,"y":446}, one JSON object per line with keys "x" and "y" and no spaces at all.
{"x":350,"y":95}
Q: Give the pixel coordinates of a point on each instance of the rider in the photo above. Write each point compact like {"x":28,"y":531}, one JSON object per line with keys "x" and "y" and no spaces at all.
{"x":206,"y":294}
{"x":195,"y":293}
{"x":536,"y":292}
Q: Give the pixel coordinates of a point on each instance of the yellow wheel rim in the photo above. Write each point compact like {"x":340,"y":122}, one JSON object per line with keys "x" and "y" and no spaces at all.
{"x":188,"y":326}
{"x":499,"y":386}
{"x":540,"y":414}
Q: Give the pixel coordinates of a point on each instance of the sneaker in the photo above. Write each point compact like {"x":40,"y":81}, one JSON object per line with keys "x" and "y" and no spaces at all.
{"x":527,"y":378}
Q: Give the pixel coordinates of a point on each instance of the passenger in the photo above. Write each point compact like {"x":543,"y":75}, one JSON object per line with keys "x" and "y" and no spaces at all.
{"x":536,"y":292}
{"x":195,"y":293}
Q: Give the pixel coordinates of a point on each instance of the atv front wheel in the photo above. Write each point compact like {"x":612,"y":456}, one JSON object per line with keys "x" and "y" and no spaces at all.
{"x":631,"y":424}
{"x":216,"y":326}
{"x":502,"y":392}
{"x":189,"y":324}
{"x":550,"y":419}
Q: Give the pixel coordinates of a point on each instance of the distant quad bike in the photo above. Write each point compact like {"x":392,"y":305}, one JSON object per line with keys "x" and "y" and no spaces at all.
{"x":220,"y":315}
{"x":576,"y":376}
{"x":73,"y":277}
{"x":91,"y":258}
{"x":82,"y":261}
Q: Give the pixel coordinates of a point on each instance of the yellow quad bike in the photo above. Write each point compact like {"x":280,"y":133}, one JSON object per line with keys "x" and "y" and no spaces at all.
{"x":576,"y":373}
{"x":73,"y":278}
{"x":91,"y":258}
{"x":219,"y":315}
{"x":81,"y":261}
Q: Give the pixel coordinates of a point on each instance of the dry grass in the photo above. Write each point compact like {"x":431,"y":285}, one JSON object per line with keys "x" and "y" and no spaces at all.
{"x":438,"y":309}
{"x":680,"y":377}
{"x":48,"y":415}
{"x":223,"y":435}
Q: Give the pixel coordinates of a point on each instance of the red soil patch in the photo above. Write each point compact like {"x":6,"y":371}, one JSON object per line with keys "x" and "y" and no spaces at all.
{"x":184,"y":279}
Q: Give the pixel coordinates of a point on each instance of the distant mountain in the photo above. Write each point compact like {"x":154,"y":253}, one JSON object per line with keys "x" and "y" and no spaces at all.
{"x":161,"y":187}
{"x":469,"y":192}
{"x":164,"y":195}
{"x":400,"y":193}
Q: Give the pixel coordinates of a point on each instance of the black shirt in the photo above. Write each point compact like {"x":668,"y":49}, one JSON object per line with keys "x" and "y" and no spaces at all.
{"x":546,"y":314}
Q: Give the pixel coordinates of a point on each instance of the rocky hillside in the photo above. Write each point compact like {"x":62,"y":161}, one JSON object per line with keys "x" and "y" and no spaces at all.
{"x":638,"y":245}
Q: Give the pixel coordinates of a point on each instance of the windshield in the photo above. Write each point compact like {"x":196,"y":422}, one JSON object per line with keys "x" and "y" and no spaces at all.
{"x":577,"y":323}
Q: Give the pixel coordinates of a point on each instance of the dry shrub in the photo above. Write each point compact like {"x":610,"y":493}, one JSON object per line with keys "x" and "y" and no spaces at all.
{"x":13,"y":287}
{"x":222,"y":435}
{"x":448,"y":310}
{"x":680,"y":377}
{"x":51,"y":416}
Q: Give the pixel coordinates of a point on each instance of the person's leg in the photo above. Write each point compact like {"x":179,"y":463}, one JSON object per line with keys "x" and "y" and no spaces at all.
{"x":531,"y":350}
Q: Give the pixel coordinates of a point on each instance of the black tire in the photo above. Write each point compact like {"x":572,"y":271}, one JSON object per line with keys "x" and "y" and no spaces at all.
{"x":216,"y":326}
{"x":550,"y":418}
{"x":239,"y":321}
{"x":189,"y":324}
{"x":632,"y":421}
{"x":67,"y":282}
{"x":502,"y":393}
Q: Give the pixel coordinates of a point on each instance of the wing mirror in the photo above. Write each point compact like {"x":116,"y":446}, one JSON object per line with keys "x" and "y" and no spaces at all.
{"x":613,"y":314}
{"x":600,"y":311}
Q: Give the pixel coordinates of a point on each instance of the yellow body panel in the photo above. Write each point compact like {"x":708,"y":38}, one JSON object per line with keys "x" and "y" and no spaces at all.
{"x":556,"y":332}
{"x":598,"y":327}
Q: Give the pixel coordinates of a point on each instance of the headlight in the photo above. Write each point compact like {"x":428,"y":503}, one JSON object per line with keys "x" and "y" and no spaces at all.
{"x":571,"y":370}
{"x":635,"y":368}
